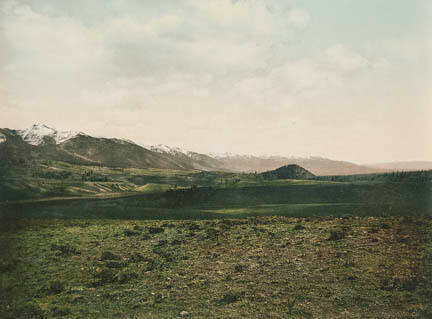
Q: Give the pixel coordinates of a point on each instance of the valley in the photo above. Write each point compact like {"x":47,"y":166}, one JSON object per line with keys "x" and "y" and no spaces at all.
{"x":86,"y":238}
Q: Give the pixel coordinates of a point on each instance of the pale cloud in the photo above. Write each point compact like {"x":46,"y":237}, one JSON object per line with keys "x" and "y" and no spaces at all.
{"x":165,"y":68}
{"x":298,"y":18}
{"x":345,"y":59}
{"x":299,"y":80}
{"x":382,"y":63}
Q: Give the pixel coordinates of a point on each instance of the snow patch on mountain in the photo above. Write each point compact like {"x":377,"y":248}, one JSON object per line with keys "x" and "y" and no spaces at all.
{"x":122,"y":141}
{"x":221,"y":155}
{"x":232,"y":155}
{"x":36,"y":134}
{"x":128,"y":141}
{"x":228,"y":155}
{"x":165,"y":149}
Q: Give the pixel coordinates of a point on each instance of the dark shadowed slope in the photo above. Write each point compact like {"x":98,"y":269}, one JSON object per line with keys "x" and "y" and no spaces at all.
{"x":292,"y":171}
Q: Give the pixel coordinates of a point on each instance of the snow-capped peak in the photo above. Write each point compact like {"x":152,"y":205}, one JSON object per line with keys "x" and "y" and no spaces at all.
{"x":161,"y":148}
{"x":35,"y":134}
{"x":220,"y":154}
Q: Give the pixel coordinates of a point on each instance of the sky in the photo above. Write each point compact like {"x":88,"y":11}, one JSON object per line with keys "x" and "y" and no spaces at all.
{"x":348,"y":81}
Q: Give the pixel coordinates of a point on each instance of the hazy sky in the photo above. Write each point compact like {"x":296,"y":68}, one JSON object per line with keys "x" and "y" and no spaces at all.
{"x":344,"y":79}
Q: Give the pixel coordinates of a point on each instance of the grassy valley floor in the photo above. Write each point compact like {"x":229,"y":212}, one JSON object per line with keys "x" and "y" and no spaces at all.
{"x":256,"y":267}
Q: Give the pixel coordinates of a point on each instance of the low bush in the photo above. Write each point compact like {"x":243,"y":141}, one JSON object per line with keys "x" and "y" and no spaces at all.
{"x":336,"y":235}
{"x":65,"y":250}
{"x":125,"y":276}
{"x":56,"y":287}
{"x":108,"y":255}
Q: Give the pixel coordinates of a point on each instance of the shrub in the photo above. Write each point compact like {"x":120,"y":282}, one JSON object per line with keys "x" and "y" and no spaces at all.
{"x":113,"y":264}
{"x":53,"y":174}
{"x":108,"y":255}
{"x":385,"y":226}
{"x":125,"y":275}
{"x":157,"y":298}
{"x":128,"y":232}
{"x":239,"y":268}
{"x":290,"y":304}
{"x":65,"y":250}
{"x":336,"y":235}
{"x":104,"y":275}
{"x":155,"y":230}
{"x":167,"y":254}
{"x":229,"y":298}
{"x":299,"y":227}
{"x":137,"y":257}
{"x":193,"y":226}
{"x":56,"y":287}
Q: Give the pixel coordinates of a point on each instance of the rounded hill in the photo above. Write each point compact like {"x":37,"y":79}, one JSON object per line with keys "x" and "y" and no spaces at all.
{"x":292,"y":171}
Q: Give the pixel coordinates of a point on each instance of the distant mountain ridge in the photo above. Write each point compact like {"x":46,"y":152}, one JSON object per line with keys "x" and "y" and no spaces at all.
{"x":404,"y":165}
{"x":41,"y":142}
{"x":316,"y":165}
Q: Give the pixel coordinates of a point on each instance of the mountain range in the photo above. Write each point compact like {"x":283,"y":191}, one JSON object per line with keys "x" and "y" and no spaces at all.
{"x":41,"y":142}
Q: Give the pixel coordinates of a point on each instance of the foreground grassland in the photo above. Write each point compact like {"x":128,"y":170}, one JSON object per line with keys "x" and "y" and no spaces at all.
{"x":263,"y":267}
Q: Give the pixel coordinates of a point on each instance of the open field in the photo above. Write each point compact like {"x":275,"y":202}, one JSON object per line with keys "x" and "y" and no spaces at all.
{"x":296,"y":198}
{"x":46,"y":179}
{"x":60,"y":190}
